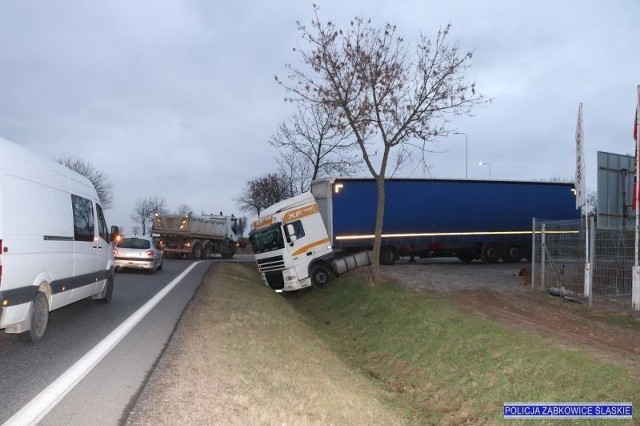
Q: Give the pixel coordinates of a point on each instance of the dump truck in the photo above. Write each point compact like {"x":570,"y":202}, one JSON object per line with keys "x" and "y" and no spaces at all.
{"x":195,"y":236}
{"x":298,"y":242}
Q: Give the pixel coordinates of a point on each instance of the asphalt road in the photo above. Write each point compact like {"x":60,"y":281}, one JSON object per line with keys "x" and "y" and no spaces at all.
{"x":104,"y":394}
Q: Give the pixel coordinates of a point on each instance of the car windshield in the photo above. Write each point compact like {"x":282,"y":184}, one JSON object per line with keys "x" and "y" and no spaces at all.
{"x":134,"y":243}
{"x":268,"y":239}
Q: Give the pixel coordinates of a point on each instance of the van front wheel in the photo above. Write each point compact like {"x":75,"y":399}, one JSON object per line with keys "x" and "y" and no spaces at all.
{"x":39,"y":316}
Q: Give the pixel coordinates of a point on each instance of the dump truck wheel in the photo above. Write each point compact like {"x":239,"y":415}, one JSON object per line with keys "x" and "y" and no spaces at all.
{"x":197,"y":251}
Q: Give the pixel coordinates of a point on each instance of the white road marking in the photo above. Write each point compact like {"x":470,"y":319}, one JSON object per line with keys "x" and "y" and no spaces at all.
{"x":44,"y":402}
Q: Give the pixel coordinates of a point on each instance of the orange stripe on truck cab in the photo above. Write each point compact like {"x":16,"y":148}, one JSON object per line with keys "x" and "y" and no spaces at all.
{"x":309,"y":246}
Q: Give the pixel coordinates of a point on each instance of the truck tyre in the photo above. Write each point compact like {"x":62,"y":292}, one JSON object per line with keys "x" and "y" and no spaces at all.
{"x":320,"y":276}
{"x":207,"y":251}
{"x":39,"y":315}
{"x":197,"y":251}
{"x":511,"y":253}
{"x":490,"y":253}
{"x":387,"y":256}
{"x":227,"y":251}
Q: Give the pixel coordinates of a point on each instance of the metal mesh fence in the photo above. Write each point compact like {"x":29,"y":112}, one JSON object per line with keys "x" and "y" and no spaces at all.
{"x":613,"y":262}
{"x":559,"y":260}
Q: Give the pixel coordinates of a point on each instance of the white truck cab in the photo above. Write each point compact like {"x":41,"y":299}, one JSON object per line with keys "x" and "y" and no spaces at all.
{"x":291,"y":245}
{"x":54,"y":242}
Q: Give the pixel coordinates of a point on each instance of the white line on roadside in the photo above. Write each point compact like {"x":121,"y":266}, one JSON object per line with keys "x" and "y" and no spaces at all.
{"x":39,"y":406}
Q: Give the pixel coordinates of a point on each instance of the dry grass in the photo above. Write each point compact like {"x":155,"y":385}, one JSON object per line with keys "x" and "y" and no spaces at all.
{"x":237,"y":358}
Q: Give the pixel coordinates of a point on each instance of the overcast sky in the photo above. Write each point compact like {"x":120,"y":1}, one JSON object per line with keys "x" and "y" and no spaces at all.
{"x":177,"y":98}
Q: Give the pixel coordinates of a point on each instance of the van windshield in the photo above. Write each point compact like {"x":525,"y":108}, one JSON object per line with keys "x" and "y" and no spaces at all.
{"x":268,"y":239}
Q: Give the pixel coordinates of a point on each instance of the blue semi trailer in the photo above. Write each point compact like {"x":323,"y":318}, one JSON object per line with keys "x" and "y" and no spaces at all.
{"x":470,"y":219}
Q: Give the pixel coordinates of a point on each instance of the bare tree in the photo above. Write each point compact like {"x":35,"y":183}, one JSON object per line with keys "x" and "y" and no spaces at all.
{"x":313,"y":146}
{"x":295,"y":172}
{"x":388,"y":97}
{"x":262,"y":192}
{"x":184,"y":209}
{"x":145,"y":209}
{"x":103,"y":185}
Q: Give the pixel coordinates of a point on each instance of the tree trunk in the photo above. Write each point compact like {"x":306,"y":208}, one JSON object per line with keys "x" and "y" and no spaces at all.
{"x":377,"y":240}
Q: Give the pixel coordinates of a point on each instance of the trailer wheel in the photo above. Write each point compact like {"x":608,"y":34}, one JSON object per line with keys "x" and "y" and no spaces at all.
{"x":490,"y":253}
{"x":320,"y":276}
{"x":511,"y":254}
{"x":387,"y":256}
{"x":197,"y":251}
{"x":39,"y":319}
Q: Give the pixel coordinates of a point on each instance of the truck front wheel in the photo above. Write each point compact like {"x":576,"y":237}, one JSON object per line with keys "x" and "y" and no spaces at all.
{"x":227,"y":252}
{"x":320,"y":276}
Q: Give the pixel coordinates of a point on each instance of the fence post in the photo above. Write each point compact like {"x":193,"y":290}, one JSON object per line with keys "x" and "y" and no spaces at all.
{"x":543,"y":249}
{"x":588,"y":275}
{"x":533,"y":254}
{"x":592,"y":255}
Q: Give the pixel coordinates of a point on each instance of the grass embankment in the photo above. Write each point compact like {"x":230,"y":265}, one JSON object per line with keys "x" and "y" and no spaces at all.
{"x":241,"y":355}
{"x":449,"y":366}
{"x":356,"y":354}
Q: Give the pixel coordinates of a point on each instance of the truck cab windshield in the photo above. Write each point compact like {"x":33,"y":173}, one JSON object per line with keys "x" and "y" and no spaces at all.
{"x":267,"y":239}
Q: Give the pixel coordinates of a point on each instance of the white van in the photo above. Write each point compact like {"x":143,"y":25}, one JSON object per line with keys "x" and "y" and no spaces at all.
{"x":54,"y":241}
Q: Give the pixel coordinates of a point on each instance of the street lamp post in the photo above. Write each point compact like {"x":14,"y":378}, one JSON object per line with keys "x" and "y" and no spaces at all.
{"x":484,"y":163}
{"x":466,"y":153}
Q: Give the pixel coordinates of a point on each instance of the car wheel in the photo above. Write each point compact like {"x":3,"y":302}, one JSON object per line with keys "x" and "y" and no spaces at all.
{"x":160,"y":266}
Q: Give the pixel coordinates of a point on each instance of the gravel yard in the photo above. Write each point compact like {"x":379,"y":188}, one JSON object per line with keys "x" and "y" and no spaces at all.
{"x":449,"y":274}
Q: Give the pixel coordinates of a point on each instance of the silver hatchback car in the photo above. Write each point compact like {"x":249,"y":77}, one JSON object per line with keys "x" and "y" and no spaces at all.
{"x":137,"y":253}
